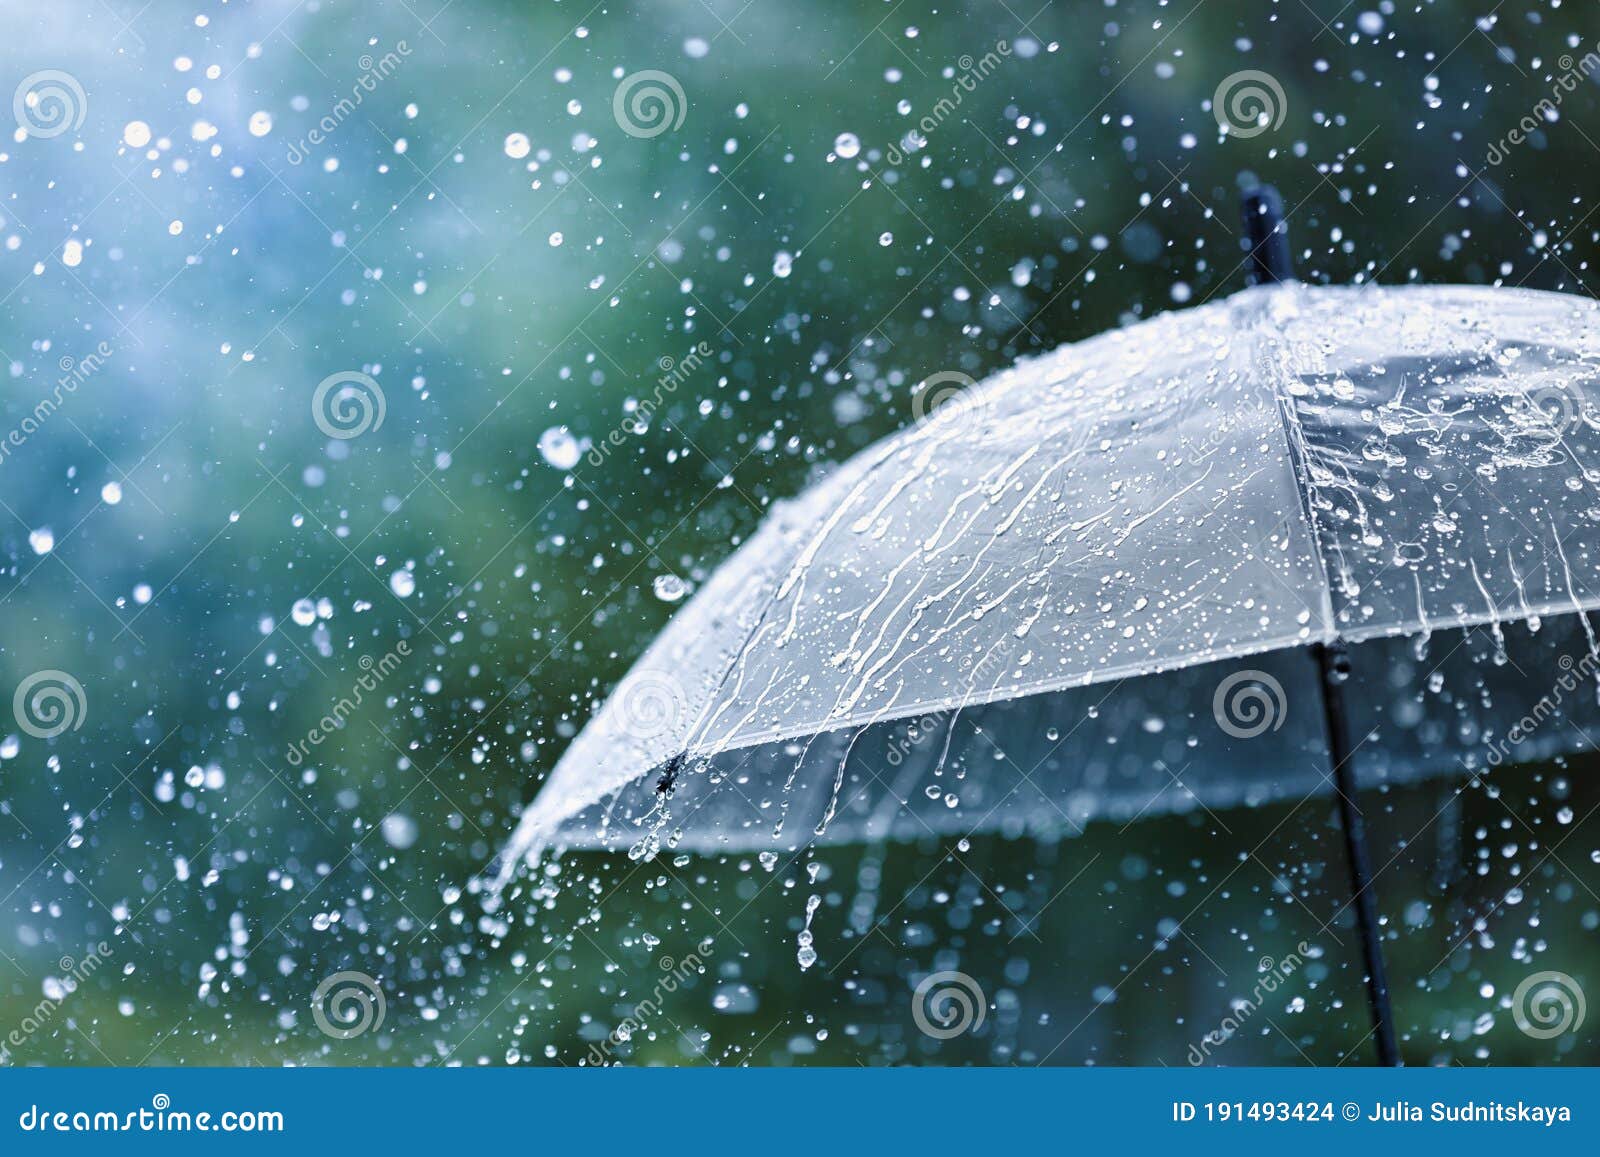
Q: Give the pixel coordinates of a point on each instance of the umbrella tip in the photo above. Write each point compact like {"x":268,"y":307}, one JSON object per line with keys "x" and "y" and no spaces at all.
{"x":1267,"y":236}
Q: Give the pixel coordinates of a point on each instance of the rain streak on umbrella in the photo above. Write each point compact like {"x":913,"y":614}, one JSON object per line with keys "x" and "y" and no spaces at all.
{"x":1123,"y":578}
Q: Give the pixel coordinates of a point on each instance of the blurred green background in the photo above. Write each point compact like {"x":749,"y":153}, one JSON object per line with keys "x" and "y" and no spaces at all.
{"x":513,"y":299}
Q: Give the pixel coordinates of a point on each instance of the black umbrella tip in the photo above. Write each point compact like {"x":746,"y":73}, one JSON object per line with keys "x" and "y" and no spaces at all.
{"x":1266,"y":236}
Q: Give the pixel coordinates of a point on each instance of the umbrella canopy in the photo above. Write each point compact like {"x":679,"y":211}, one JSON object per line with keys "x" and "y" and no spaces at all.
{"x":918,"y":642}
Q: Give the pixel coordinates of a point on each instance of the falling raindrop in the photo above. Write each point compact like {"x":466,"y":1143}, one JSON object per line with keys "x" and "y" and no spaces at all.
{"x":807,"y":955}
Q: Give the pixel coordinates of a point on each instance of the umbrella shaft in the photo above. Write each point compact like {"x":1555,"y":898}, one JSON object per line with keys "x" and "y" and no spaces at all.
{"x":1330,"y":659}
{"x":1268,"y":232}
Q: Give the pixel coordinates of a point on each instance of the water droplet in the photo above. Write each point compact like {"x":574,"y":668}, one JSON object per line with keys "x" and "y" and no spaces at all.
{"x":669,"y":588}
{"x":399,"y":831}
{"x":807,"y":955}
{"x":559,"y":448}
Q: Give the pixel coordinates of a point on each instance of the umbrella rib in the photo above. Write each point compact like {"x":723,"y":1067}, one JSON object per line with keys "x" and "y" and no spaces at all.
{"x":1333,"y":669}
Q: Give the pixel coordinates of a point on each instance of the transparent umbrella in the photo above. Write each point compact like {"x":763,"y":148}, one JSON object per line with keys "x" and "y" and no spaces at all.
{"x":1202,"y":561}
